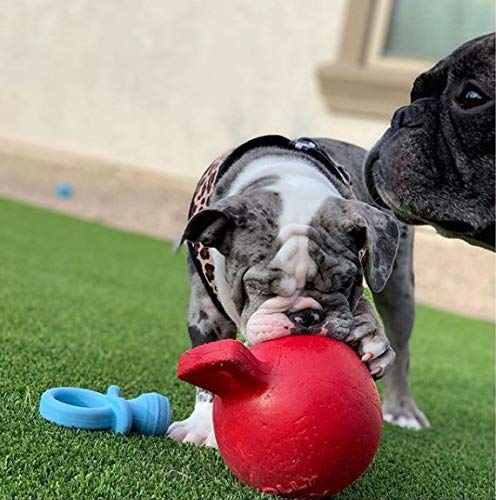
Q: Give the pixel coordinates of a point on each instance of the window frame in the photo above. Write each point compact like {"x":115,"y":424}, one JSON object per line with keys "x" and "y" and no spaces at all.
{"x":362,"y":80}
{"x":379,"y":29}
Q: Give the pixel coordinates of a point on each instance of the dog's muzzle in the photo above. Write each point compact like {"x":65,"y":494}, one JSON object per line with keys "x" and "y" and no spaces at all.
{"x":280,"y":316}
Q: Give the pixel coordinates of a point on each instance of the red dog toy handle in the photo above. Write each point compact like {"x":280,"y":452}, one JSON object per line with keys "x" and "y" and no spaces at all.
{"x":226,"y":368}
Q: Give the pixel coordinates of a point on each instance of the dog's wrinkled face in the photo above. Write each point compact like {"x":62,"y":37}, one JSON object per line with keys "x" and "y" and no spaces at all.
{"x":435,"y":164}
{"x":297,"y":279}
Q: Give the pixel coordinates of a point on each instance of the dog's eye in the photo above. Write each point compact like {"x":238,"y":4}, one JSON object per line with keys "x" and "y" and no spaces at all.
{"x":471,"y":97}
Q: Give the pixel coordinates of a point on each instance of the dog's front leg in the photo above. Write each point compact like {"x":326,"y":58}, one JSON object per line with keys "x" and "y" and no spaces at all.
{"x":205,"y":324}
{"x":369,"y":338}
{"x":198,"y":427}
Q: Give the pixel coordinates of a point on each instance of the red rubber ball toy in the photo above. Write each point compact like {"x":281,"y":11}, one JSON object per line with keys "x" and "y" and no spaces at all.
{"x":296,"y":416}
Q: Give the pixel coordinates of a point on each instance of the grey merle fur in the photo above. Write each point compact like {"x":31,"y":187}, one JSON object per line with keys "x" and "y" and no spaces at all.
{"x":244,"y":228}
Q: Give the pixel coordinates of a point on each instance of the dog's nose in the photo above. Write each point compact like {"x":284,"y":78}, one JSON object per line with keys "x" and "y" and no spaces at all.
{"x":413,"y":115}
{"x":398,"y":118}
{"x":408,"y":117}
{"x":306,"y":318}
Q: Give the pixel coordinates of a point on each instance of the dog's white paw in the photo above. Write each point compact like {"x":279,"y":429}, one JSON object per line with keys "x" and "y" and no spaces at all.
{"x":408,"y":418}
{"x":198,"y":428}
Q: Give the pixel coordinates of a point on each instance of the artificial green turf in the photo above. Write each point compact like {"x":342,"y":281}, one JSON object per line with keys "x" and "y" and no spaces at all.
{"x":88,"y":306}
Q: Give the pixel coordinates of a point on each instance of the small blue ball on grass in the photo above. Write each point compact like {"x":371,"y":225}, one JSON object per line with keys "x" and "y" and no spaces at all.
{"x":64,"y":190}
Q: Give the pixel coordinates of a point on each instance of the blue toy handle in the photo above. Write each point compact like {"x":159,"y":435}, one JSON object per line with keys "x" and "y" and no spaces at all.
{"x":85,"y":409}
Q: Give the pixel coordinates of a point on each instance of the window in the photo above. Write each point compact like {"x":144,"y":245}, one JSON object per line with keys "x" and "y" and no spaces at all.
{"x":387,"y":43}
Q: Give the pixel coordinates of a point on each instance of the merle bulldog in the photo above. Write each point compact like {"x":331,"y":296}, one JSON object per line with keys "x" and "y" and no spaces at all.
{"x":435,"y":164}
{"x":280,"y":236}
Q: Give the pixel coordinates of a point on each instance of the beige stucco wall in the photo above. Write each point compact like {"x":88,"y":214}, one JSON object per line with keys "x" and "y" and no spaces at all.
{"x":167,"y":84}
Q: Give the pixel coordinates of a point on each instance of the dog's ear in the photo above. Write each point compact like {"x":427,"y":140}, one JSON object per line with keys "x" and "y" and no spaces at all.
{"x":209,"y":227}
{"x":377,"y":237}
{"x":214,"y":226}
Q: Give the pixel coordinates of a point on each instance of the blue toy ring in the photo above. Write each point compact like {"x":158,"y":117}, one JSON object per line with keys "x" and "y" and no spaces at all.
{"x":85,"y":409}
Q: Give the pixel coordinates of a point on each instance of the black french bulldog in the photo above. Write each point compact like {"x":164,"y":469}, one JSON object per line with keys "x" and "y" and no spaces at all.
{"x":435,"y":164}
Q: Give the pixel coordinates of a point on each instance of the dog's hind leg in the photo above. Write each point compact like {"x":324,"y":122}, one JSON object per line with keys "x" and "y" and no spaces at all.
{"x":205,"y":324}
{"x":396,"y":305}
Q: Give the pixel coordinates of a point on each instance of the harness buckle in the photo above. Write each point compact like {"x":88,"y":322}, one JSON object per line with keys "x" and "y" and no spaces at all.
{"x":306,"y":144}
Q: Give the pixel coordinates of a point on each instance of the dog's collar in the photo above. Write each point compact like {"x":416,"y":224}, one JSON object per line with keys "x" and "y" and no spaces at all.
{"x":304,"y":144}
{"x":313,"y":149}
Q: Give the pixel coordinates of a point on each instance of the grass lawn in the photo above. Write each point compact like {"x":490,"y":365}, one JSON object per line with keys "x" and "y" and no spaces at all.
{"x":83,"y":305}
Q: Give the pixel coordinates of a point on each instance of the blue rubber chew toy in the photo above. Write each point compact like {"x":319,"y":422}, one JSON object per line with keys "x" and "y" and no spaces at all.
{"x":84,"y":409}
